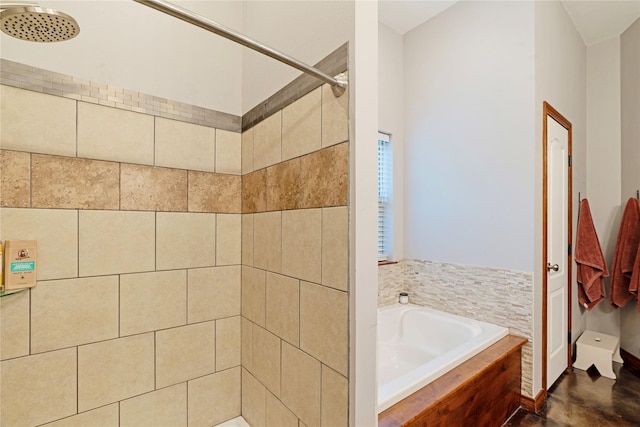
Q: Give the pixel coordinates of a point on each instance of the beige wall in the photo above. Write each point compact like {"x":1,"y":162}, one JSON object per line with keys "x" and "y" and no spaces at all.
{"x":295,"y":265}
{"x":136,"y":315}
{"x":604,"y":154}
{"x":630,"y":112}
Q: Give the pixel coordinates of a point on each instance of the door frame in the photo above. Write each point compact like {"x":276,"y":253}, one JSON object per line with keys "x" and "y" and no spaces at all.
{"x":549,"y":111}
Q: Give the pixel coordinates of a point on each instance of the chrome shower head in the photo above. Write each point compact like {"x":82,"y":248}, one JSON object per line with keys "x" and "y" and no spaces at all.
{"x":35,"y":24}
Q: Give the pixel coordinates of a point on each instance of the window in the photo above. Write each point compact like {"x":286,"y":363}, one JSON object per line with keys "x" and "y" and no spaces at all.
{"x":384,"y":196}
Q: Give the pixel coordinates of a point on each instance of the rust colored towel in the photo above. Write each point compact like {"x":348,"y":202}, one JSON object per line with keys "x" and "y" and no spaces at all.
{"x":625,"y":254}
{"x":634,"y":285}
{"x":592,"y":267}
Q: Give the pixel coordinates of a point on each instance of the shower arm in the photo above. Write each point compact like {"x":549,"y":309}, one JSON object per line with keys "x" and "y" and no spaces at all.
{"x":338,"y":86}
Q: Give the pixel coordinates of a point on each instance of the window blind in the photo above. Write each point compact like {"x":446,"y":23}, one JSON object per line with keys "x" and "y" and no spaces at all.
{"x":384,"y":195}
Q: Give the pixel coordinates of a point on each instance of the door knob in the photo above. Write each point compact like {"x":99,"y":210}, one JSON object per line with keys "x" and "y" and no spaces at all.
{"x":554,"y":267}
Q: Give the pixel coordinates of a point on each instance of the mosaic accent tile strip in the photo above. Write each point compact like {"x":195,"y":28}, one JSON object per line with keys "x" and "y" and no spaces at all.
{"x":526,"y":387}
{"x":39,"y":80}
{"x":390,"y":283}
{"x":333,"y":64}
{"x":494,"y":295}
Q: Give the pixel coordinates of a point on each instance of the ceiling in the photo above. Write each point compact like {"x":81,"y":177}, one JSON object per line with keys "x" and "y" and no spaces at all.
{"x":595,"y":20}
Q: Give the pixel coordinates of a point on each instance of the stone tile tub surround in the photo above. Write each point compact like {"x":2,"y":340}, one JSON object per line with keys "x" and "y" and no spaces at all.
{"x":117,"y":331}
{"x":295,"y":264}
{"x":494,"y":295}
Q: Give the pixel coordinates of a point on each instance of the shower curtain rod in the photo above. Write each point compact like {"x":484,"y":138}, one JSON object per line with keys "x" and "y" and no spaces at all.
{"x":338,"y":86}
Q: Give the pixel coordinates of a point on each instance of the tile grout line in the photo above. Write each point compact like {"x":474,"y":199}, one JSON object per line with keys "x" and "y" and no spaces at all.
{"x":77,"y":126}
{"x":78,"y":243}
{"x":77,"y":380}
{"x":155,"y":124}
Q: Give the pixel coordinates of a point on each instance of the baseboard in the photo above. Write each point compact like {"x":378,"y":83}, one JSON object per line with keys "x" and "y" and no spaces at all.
{"x":631,"y":362}
{"x":531,"y":404}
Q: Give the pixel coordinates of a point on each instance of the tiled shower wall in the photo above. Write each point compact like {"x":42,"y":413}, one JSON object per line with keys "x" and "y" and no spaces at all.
{"x":135,"y":319}
{"x":499,"y":296}
{"x":295,"y":355}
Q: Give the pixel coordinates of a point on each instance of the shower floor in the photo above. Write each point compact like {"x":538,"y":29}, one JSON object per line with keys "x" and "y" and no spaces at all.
{"x":235,"y":422}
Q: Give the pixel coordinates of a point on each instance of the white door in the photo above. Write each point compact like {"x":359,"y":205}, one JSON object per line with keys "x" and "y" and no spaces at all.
{"x":557,"y":248}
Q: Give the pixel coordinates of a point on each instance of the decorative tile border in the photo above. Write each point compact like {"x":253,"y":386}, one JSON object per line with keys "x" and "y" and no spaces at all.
{"x":31,"y":180}
{"x":316,"y":180}
{"x":333,"y":64}
{"x":39,"y":80}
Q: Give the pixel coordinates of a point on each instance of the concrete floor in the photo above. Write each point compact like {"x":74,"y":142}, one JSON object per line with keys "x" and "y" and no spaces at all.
{"x":584,"y":398}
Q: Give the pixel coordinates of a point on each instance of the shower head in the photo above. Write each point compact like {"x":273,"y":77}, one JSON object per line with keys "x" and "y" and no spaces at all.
{"x":36,"y":24}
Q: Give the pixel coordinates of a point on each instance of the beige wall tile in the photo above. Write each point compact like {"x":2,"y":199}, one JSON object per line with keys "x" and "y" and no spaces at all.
{"x":228,"y":345}
{"x":37,"y":122}
{"x":214,"y":293}
{"x":335,"y":247}
{"x":247,"y":344}
{"x":114,"y":370}
{"x":15,"y":179}
{"x":267,"y":144}
{"x":335,"y":117}
{"x":228,"y":152}
{"x":214,"y":192}
{"x":164,"y":407}
{"x":335,"y":399}
{"x":215,"y":398}
{"x":62,"y":182}
{"x":185,"y":145}
{"x":283,"y":307}
{"x":266,"y":358}
{"x":253,"y":295}
{"x":324,"y":325}
{"x":228,"y":239}
{"x":71,"y":312}
{"x":185,"y":240}
{"x":56,"y":231}
{"x":152,"y":301}
{"x":302,"y":244}
{"x":107,"y":416}
{"x":325,"y":177}
{"x":278,"y":415}
{"x":148,"y":188}
{"x":301,"y":384}
{"x":116,"y":242}
{"x":254,"y":191}
{"x":14,"y":325}
{"x":107,"y":133}
{"x":283,"y":185}
{"x":247,"y":151}
{"x":267,"y":241}
{"x":254,"y":409}
{"x":247,"y":239}
{"x":185,"y":353}
{"x":38,"y":389}
{"x":302,"y":126}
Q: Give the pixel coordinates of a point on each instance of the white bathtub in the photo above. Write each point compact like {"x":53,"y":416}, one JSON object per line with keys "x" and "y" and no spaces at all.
{"x":416,"y":345}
